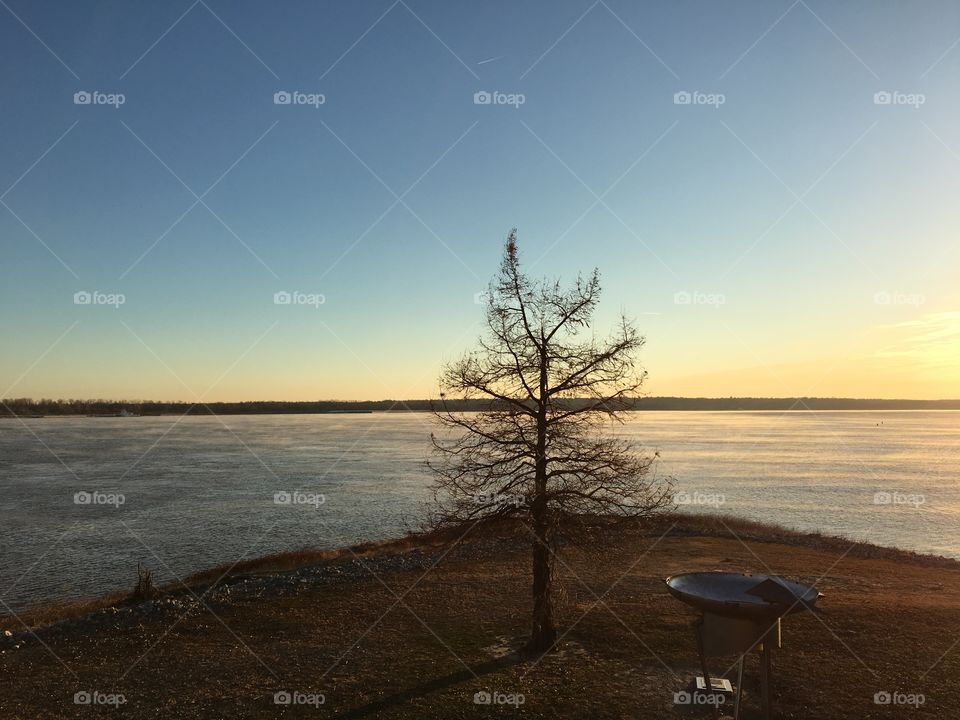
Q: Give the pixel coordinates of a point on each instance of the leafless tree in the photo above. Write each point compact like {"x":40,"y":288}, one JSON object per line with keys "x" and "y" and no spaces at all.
{"x":543,"y":450}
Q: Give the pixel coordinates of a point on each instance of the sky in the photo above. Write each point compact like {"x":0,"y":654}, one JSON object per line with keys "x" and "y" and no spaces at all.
{"x":769,"y":188}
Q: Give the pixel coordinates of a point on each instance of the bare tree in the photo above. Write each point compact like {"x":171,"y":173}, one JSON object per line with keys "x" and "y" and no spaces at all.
{"x":542,"y":448}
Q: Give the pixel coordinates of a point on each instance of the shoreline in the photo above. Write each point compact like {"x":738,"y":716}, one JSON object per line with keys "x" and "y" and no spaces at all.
{"x":26,"y":407}
{"x":394,"y":553}
{"x":407,"y":411}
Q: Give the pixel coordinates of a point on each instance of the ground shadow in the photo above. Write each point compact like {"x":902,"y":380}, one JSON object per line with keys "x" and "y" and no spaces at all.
{"x":426,"y":688}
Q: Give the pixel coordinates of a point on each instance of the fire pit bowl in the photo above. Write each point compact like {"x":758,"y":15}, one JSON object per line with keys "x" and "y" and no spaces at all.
{"x":742,"y":596}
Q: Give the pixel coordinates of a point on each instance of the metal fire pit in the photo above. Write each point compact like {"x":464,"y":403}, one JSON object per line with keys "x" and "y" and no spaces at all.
{"x":740,"y":613}
{"x":736,"y":595}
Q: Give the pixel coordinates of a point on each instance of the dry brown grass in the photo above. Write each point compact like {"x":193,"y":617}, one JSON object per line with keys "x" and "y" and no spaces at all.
{"x":886,"y":621}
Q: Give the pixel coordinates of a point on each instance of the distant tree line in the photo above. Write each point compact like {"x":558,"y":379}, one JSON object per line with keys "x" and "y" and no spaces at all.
{"x":24,"y":407}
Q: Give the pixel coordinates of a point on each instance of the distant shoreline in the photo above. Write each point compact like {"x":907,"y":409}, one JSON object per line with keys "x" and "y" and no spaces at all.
{"x":24,"y":408}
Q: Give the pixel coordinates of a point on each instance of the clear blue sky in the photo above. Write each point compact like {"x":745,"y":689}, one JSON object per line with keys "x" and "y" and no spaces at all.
{"x":813,"y":229}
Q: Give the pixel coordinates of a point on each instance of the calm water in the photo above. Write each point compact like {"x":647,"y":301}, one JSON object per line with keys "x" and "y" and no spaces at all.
{"x":199,"y":491}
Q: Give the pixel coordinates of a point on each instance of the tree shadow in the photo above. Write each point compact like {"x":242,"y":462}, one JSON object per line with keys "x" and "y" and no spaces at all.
{"x":430,"y":686}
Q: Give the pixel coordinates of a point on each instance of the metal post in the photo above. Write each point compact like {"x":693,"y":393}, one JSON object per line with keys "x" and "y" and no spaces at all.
{"x":708,"y":686}
{"x":765,"y":673}
{"x":736,"y":704}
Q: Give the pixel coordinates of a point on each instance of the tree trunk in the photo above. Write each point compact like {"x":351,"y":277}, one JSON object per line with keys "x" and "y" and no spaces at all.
{"x":542,"y":634}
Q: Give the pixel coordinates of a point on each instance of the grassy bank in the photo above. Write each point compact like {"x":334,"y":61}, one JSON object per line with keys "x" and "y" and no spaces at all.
{"x":413,"y":629}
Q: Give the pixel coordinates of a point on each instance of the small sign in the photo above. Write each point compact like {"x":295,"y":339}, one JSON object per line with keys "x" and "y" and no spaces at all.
{"x":716,"y":684}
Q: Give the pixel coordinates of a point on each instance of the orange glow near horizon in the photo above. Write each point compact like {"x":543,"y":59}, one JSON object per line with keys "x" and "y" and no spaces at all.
{"x":911,"y":359}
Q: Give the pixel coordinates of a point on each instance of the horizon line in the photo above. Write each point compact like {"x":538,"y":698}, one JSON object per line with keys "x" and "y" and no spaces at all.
{"x":431,"y":399}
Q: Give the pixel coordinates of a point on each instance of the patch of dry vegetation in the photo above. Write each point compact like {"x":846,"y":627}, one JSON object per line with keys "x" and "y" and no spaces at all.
{"x":419,"y":644}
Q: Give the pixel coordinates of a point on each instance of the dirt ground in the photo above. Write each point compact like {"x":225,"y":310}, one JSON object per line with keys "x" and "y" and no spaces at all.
{"x":398,"y":639}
